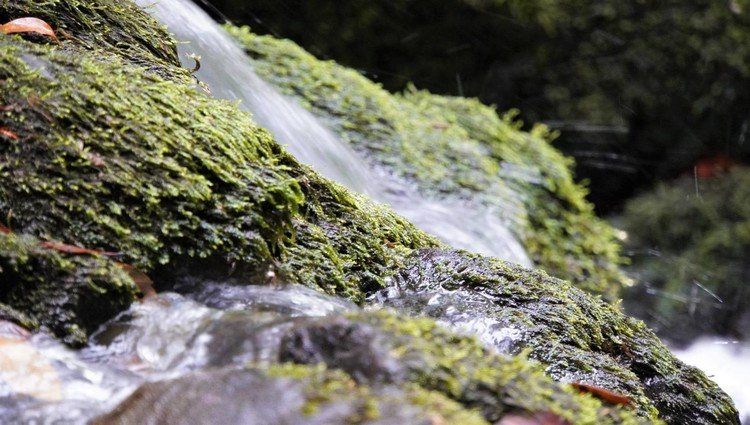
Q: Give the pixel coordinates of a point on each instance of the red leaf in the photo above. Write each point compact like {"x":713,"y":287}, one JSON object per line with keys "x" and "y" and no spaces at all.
{"x":7,"y":133}
{"x":4,"y":230}
{"x":77,"y":250}
{"x":34,"y":25}
{"x":601,"y":393}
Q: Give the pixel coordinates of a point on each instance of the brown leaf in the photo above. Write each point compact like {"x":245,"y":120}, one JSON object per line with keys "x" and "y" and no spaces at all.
{"x":35,"y":25}
{"x":4,"y":230}
{"x":7,"y":133}
{"x":77,"y":250}
{"x":603,"y":394}
{"x":144,"y":283}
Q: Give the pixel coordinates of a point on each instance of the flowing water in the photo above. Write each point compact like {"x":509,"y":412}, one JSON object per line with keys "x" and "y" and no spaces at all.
{"x":169,"y":336}
{"x":229,"y":74}
{"x":209,"y":325}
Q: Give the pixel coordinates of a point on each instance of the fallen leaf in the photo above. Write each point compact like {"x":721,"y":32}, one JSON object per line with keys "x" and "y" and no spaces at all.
{"x":144,"y":283}
{"x":35,"y":25}
{"x":7,"y":133}
{"x":72,"y":249}
{"x":603,"y":394}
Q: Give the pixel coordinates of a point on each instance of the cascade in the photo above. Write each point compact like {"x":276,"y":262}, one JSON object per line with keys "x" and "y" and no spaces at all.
{"x":229,"y":75}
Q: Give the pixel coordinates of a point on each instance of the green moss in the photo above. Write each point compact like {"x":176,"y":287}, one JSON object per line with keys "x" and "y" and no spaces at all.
{"x":109,"y":155}
{"x":116,"y":26}
{"x":326,"y":386}
{"x":381,"y":348}
{"x":456,"y":147}
{"x":68,"y":295}
{"x":575,"y":336}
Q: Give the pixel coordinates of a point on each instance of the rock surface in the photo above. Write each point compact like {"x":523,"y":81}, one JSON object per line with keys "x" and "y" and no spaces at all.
{"x":107,"y":146}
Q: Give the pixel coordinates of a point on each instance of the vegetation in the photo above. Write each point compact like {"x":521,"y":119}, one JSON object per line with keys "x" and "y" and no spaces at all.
{"x":690,"y":242}
{"x":100,"y":150}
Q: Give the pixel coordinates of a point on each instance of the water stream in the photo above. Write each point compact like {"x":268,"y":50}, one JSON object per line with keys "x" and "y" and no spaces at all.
{"x":169,"y":336}
{"x":214,"y":325}
{"x":229,"y":74}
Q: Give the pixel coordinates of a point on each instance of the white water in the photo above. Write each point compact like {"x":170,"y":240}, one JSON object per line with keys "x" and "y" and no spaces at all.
{"x":229,"y":74}
{"x":167,"y":336}
{"x":726,"y":363}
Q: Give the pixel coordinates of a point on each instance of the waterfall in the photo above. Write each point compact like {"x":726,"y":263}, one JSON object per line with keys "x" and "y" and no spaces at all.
{"x":229,"y":74}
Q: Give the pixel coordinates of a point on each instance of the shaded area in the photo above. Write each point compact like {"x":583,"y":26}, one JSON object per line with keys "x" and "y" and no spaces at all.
{"x":689,"y":243}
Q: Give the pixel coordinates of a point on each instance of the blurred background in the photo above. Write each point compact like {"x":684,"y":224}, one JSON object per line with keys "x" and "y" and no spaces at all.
{"x":651,"y":99}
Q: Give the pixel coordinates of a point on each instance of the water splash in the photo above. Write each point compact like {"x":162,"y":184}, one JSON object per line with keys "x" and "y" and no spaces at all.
{"x":229,"y":74}
{"x":726,"y":363}
{"x":166,"y":337}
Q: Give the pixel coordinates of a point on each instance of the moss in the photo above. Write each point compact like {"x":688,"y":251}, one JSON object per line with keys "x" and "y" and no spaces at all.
{"x":411,"y":351}
{"x":576,"y":337}
{"x":109,"y":155}
{"x":68,"y":295}
{"x":119,"y":27}
{"x":456,"y":147}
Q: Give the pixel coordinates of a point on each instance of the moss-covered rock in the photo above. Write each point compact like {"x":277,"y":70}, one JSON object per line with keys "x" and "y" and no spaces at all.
{"x":380,"y":348}
{"x":289,"y":394}
{"x":690,"y":241}
{"x":101,"y":152}
{"x":116,"y":26}
{"x":106,"y":154}
{"x":456,"y":147}
{"x":68,"y":295}
{"x":576,"y":337}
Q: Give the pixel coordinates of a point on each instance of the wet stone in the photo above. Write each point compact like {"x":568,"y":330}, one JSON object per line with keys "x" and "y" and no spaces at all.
{"x":253,"y":396}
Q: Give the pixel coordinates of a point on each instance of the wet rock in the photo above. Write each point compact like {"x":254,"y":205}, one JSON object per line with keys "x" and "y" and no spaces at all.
{"x":361,"y":351}
{"x":283,"y":395}
{"x":69,"y":295}
{"x":381,"y":348}
{"x":577,"y":338}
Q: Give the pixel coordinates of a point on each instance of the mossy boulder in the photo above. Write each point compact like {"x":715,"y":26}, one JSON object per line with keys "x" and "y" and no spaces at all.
{"x":460,"y":148}
{"x":576,"y":337}
{"x":101,"y":150}
{"x":690,"y":241}
{"x":288,"y":394}
{"x":109,"y":155}
{"x":67,"y":295}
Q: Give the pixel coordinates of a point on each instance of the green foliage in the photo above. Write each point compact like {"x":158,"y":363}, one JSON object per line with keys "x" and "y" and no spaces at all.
{"x":689,"y":238}
{"x":456,"y":147}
